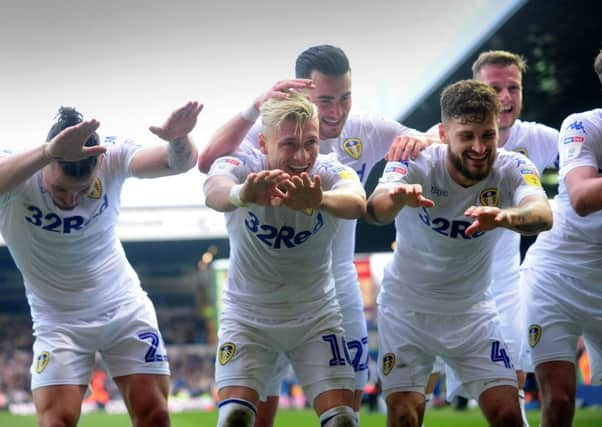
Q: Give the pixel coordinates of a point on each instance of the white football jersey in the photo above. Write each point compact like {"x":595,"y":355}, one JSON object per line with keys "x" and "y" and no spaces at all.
{"x":363,"y":142}
{"x":71,"y":260}
{"x":280,"y":258}
{"x":540,"y":144}
{"x":574,"y":245}
{"x":435,"y":267}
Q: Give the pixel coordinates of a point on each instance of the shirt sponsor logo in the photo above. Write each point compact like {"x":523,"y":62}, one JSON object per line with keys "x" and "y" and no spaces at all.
{"x":283,"y":237}
{"x":353,"y":147}
{"x":531,"y":179}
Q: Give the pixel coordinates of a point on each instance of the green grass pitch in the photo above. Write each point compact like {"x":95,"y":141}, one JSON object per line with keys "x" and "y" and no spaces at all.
{"x":446,"y":417}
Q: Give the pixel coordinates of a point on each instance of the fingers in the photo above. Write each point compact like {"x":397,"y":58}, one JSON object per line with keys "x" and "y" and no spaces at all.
{"x":472,"y":228}
{"x":427,"y":203}
{"x":94,"y":151}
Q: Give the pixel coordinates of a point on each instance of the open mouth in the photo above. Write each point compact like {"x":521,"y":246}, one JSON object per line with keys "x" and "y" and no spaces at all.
{"x":297,"y":170}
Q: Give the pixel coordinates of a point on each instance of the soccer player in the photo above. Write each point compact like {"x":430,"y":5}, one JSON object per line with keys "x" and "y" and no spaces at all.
{"x":59,"y":204}
{"x":433,"y":298}
{"x":283,"y":206}
{"x":503,"y":71}
{"x":563,"y":268}
{"x":359,"y":141}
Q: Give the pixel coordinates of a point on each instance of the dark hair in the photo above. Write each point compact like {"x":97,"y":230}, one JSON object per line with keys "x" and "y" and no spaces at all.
{"x":67,"y":117}
{"x":499,"y":57}
{"x":598,"y":65}
{"x":469,"y":100}
{"x":326,"y":59}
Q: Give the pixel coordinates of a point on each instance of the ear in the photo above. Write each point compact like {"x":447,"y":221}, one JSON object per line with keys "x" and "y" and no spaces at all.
{"x":442,"y":134}
{"x":262,"y":143}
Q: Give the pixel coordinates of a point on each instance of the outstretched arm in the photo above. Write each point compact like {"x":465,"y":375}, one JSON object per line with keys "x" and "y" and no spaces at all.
{"x":227,"y":138}
{"x":223,"y":194}
{"x":385,"y":203}
{"x":532,"y":216}
{"x":347,"y":200}
{"x":179,"y":154}
{"x":67,"y":145}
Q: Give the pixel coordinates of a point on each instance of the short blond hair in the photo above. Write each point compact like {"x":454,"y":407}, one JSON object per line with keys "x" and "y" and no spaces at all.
{"x":296,"y":107}
{"x":498,"y":57}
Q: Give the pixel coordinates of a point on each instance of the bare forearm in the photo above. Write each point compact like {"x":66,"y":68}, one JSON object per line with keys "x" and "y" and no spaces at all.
{"x":381,"y":209}
{"x":226,"y":140}
{"x":181,"y":154}
{"x":346,"y":204}
{"x":217,"y":194}
{"x":530,"y":218}
{"x":17,"y":168}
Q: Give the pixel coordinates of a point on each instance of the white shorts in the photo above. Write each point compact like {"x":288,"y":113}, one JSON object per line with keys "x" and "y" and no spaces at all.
{"x":471,"y":344}
{"x":556,"y":321}
{"x":249,"y":349}
{"x":127,"y":337}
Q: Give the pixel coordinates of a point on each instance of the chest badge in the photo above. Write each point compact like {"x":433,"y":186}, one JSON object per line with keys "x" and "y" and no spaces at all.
{"x":489,"y":197}
{"x":96,"y":189}
{"x":353,"y":147}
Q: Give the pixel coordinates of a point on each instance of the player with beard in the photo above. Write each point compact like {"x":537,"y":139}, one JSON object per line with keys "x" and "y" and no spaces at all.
{"x":433,"y":299}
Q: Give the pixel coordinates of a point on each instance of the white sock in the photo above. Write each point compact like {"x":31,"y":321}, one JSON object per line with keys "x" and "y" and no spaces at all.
{"x":521,"y":402}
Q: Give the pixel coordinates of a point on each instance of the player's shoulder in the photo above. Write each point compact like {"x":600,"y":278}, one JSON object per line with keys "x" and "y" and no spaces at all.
{"x":581,"y":122}
{"x":526,"y":130}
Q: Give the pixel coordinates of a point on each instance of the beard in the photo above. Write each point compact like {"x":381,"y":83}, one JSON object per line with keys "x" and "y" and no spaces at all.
{"x":477,"y":174}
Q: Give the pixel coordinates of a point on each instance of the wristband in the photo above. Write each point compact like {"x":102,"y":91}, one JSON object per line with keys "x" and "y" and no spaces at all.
{"x":250,"y":114}
{"x":235,"y":196}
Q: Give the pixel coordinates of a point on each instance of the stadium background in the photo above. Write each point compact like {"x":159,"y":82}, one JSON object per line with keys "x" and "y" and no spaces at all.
{"x":182,"y":272}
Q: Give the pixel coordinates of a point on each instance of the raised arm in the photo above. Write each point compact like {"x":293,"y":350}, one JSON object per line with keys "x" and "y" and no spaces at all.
{"x":227,"y":138}
{"x":67,"y":145}
{"x":584,"y":187}
{"x":385,"y":203}
{"x":179,"y":154}
{"x":530,"y":217}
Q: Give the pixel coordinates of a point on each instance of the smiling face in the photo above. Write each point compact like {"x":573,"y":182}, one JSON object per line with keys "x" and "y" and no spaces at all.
{"x":332,"y":95}
{"x":293,"y":147}
{"x":472,"y":148}
{"x":64,"y":190}
{"x":506,"y":80}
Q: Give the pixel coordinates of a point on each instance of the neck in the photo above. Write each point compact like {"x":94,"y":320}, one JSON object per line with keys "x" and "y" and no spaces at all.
{"x":504,"y":135}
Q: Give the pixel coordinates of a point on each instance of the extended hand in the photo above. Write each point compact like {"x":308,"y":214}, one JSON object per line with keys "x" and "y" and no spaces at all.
{"x":410,"y":195}
{"x":261,"y":188}
{"x":180,"y":123}
{"x":69,"y":144}
{"x":486,"y":218}
{"x":302,"y":192}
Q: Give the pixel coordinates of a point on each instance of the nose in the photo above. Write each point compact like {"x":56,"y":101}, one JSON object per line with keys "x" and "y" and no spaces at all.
{"x":70,"y":199}
{"x":301,"y":155}
{"x":504,"y":94}
{"x":479,"y":146}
